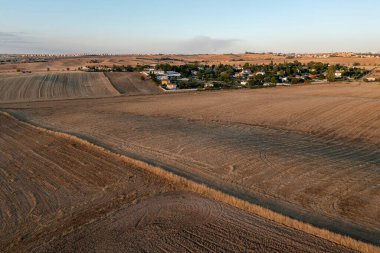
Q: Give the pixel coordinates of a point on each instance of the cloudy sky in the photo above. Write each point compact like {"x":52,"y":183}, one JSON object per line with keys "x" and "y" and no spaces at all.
{"x":188,"y":26}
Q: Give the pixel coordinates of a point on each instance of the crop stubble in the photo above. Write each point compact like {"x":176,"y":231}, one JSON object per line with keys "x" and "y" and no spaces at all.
{"x":62,"y":194}
{"x":44,"y":86}
{"x":244,"y":143}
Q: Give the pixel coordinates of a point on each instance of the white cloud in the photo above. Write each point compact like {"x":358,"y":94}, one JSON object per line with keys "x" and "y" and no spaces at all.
{"x":205,"y":44}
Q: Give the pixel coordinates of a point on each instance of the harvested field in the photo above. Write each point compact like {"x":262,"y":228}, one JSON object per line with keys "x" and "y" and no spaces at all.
{"x":62,"y":195}
{"x":310,"y":152}
{"x":210,"y":59}
{"x":178,"y":222}
{"x":131,"y":84}
{"x":30,"y":87}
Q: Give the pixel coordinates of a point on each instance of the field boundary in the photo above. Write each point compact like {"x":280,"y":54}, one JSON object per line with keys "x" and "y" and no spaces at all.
{"x":211,"y":193}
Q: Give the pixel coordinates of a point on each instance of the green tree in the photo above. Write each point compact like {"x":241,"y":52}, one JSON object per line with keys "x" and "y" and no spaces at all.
{"x":274,"y":79}
{"x":331,"y":73}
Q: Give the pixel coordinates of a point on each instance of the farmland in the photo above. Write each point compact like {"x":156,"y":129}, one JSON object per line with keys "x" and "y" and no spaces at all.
{"x":59,"y":193}
{"x":210,"y":59}
{"x":131,"y":84}
{"x":42,"y":86}
{"x":309,"y":152}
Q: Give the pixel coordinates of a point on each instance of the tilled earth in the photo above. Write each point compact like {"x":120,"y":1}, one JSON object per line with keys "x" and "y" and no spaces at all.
{"x":309,"y":152}
{"x":61,"y":195}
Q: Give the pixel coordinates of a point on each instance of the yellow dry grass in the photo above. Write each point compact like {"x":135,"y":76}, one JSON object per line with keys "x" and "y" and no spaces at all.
{"x":222,"y":197}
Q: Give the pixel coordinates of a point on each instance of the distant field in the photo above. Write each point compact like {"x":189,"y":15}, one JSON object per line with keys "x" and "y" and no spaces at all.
{"x":59,"y":194}
{"x":232,"y":59}
{"x":131,"y":84}
{"x":43,"y":86}
{"x":311,"y":152}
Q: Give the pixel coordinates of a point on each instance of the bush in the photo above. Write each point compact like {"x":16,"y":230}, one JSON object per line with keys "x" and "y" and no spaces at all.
{"x":294,"y":80}
{"x":142,"y":78}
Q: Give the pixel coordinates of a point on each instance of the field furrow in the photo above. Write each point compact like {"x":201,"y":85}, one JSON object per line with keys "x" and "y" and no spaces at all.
{"x":31,"y":87}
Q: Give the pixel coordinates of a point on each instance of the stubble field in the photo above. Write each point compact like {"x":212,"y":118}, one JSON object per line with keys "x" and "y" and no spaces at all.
{"x":60,"y":194}
{"x":131,"y":83}
{"x":309,"y":152}
{"x":57,"y":85}
{"x":210,"y":59}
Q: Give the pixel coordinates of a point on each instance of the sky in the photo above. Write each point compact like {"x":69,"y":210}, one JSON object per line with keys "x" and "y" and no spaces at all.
{"x":189,"y":26}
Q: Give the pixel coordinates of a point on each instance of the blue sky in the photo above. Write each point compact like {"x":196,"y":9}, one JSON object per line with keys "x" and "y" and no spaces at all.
{"x":188,"y":26}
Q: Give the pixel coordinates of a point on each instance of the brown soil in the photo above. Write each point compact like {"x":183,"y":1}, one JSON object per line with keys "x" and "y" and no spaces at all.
{"x":131,"y":84}
{"x":63,"y":195}
{"x":30,"y":87}
{"x":177,"y":222}
{"x":310,"y":152}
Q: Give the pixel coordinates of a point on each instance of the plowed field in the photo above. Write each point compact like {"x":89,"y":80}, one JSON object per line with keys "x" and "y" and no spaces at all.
{"x":310,"y":152}
{"x":131,"y":84}
{"x":42,"y":86}
{"x":64,"y":195}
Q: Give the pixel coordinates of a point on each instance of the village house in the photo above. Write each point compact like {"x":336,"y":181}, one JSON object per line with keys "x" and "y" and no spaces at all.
{"x":371,"y":79}
{"x":171,"y":86}
{"x":209,"y":85}
{"x":173,"y":75}
{"x":183,"y":79}
{"x":165,"y":82}
{"x":338,"y":74}
{"x":284,"y":79}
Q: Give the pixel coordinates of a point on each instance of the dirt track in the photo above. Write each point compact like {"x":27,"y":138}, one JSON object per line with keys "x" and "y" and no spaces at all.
{"x":325,"y":173}
{"x":30,"y":87}
{"x":131,"y":84}
{"x":63,"y":195}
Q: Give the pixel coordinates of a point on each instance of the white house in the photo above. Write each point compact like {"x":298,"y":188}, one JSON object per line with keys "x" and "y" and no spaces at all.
{"x":209,"y":85}
{"x":173,"y":74}
{"x":371,"y":79}
{"x":162,"y":77}
{"x":338,"y":74}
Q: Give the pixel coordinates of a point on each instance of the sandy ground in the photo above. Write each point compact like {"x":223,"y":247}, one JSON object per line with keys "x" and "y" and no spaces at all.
{"x":60,"y":195}
{"x":48,"y":85}
{"x":310,"y":152}
{"x":131,"y":84}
